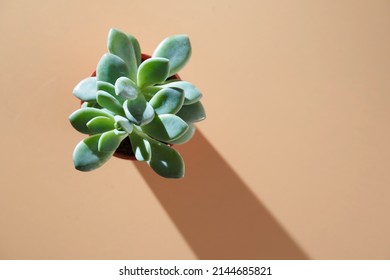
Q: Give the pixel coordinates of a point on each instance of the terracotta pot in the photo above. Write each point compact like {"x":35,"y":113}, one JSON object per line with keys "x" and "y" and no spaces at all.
{"x":125,"y":150}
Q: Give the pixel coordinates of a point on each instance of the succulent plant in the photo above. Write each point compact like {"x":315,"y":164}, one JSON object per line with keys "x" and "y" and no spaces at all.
{"x":140,"y":99}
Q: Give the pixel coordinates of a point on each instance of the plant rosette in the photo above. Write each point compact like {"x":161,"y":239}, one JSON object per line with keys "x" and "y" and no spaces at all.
{"x":137,"y":106}
{"x":125,"y":151}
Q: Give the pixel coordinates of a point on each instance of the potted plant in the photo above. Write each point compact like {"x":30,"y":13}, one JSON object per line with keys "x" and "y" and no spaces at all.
{"x":136,"y":106}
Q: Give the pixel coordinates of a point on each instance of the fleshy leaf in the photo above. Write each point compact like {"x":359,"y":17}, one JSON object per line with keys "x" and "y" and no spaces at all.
{"x":119,"y":44}
{"x":137,"y":48}
{"x":109,"y":102}
{"x":186,"y":136}
{"x":110,"y":68}
{"x":126,"y":88}
{"x":107,"y":87}
{"x":152,"y":71}
{"x":165,"y":161}
{"x":124,"y":124}
{"x":91,"y":104}
{"x":167,"y":101}
{"x":192,"y":113}
{"x":109,"y":141}
{"x":138,"y":110}
{"x":120,"y":132}
{"x":177,"y":49}
{"x":141,"y":147}
{"x":81,"y":117}
{"x":166,"y":127}
{"x":150,"y":91}
{"x":86,"y":155}
{"x":100,"y":124}
{"x":191,"y":93}
{"x":86,"y":89}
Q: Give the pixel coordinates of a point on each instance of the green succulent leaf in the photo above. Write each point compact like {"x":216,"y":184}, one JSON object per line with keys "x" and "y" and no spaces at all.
{"x":100,"y":124}
{"x":91,"y":104}
{"x":138,"y":110}
{"x":81,"y":117}
{"x":126,"y":88}
{"x":177,"y":49}
{"x":167,"y":101}
{"x":165,"y":161}
{"x":152,"y":71}
{"x":107,"y":87}
{"x":110,"y":140}
{"x":192,"y":113}
{"x":124,"y":124}
{"x":110,"y":68}
{"x":137,"y":48}
{"x":86,"y":89}
{"x":186,"y":136}
{"x":87,"y":157}
{"x":191,"y":93}
{"x":120,"y":132}
{"x":166,"y":127}
{"x":150,"y":91}
{"x":141,"y":147}
{"x":119,"y":44}
{"x":109,"y":102}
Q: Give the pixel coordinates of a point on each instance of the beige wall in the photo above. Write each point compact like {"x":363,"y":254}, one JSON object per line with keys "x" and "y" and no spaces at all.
{"x":292,"y":162}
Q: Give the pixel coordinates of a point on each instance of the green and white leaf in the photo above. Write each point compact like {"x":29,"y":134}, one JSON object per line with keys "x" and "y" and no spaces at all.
{"x":120,"y":132}
{"x":167,"y":101}
{"x":141,"y":146}
{"x":138,"y":110}
{"x":150,"y":91}
{"x":110,"y":68}
{"x":86,"y":89}
{"x":126,"y":88}
{"x":87,"y":157}
{"x":118,"y":43}
{"x":191,"y":93}
{"x":177,"y":49}
{"x":109,"y":102}
{"x":100,"y":124}
{"x":186,"y":136}
{"x":152,"y":71}
{"x":166,"y":127}
{"x":107,"y":87}
{"x":165,"y":161}
{"x":110,"y":140}
{"x":91,"y":104}
{"x":124,"y":124}
{"x":81,"y":117}
{"x":137,"y":48}
{"x":192,"y":113}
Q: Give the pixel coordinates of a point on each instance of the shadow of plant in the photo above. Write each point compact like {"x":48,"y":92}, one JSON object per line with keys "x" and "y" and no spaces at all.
{"x":216,"y":212}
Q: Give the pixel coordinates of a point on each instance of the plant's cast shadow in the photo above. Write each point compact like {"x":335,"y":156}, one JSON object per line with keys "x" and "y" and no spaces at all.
{"x":216,"y":212}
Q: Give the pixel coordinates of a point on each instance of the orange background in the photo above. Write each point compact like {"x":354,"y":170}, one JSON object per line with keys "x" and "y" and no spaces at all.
{"x":293,"y":161}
